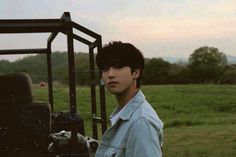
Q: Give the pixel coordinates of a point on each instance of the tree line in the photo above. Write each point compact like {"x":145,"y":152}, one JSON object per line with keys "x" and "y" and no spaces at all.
{"x":205,"y":65}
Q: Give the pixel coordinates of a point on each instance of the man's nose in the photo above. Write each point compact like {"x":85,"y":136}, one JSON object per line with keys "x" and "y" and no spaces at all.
{"x":111,"y":73}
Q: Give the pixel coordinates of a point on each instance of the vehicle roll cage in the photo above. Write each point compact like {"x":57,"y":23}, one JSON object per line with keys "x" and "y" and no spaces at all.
{"x":63,"y":25}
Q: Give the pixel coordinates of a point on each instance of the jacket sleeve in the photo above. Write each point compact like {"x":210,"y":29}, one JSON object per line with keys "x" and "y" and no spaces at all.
{"x":144,"y":139}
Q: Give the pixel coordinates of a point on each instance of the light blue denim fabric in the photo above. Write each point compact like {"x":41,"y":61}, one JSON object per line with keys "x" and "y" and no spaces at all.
{"x":138,"y":132}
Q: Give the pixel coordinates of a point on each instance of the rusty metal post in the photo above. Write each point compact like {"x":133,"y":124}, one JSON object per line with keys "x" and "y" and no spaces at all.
{"x":72,"y":81}
{"x":93,"y":92}
{"x":102,"y":95}
{"x":71,"y":69}
{"x":49,"y":70}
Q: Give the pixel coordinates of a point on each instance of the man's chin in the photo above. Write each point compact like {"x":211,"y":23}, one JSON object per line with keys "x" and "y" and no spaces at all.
{"x":113,"y":91}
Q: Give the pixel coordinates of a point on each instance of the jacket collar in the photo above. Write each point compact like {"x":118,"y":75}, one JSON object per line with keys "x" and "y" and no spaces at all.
{"x":131,"y":106}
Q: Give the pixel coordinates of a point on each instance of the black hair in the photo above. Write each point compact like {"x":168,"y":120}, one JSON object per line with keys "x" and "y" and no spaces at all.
{"x":119,"y":54}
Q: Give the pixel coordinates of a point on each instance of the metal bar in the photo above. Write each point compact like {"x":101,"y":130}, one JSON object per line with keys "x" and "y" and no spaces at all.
{"x":23,"y":51}
{"x":27,"y":21}
{"x":93,"y":93}
{"x":31,"y":30}
{"x":72,"y":83}
{"x":94,"y":44}
{"x":81,"y":39}
{"x":52,"y":37}
{"x":66,"y":16}
{"x":85,"y":30}
{"x":54,"y":34}
{"x":31,"y":26}
{"x":71,"y":69}
{"x":102,"y":95}
{"x":49,"y":68}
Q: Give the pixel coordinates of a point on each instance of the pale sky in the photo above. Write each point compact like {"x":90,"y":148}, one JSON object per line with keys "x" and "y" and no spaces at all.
{"x":159,"y":28}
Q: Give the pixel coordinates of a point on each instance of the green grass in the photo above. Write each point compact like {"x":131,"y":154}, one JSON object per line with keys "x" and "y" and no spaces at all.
{"x":200,"y":141}
{"x":200,"y":120}
{"x":193,"y":104}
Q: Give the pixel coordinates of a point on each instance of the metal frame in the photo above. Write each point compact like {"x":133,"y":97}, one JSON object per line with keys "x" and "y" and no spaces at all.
{"x":63,"y":25}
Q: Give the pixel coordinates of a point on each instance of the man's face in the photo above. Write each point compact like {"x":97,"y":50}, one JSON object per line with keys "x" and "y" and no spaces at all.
{"x":119,"y":79}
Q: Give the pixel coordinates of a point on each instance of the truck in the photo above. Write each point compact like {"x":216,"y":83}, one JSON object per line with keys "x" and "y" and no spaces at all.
{"x":34,"y":129}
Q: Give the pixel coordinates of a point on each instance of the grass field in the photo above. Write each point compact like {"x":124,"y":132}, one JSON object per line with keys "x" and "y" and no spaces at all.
{"x":200,"y":120}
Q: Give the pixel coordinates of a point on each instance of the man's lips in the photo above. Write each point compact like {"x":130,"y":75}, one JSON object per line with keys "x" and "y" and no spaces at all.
{"x":112,"y":83}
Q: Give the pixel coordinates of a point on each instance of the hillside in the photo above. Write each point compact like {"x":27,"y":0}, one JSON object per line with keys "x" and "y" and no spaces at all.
{"x":165,"y":72}
{"x":36,"y":66}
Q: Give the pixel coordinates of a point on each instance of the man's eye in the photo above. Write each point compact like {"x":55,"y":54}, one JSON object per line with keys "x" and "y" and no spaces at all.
{"x":105,"y":69}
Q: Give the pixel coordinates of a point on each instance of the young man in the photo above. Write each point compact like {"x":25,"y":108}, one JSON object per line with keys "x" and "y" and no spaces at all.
{"x":136,"y":129}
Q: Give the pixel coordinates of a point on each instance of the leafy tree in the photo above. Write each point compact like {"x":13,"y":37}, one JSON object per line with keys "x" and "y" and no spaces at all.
{"x":178,"y":74}
{"x":59,"y":66}
{"x":5,"y":67}
{"x":229,"y":76}
{"x":206,"y":64}
{"x":82,"y":69}
{"x":156,"y":71}
{"x":34,"y":65}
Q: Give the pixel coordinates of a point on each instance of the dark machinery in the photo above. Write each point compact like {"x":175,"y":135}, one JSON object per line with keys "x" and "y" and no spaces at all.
{"x":28,"y":128}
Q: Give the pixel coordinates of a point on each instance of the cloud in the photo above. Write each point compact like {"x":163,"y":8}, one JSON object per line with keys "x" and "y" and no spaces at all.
{"x":170,"y":36}
{"x":172,"y":28}
{"x":157,"y":26}
{"x":223,"y":8}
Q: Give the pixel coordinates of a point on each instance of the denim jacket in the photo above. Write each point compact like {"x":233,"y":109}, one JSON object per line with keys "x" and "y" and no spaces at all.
{"x":137,"y":133}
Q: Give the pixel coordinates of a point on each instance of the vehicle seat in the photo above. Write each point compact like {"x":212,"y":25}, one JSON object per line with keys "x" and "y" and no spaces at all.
{"x":24,"y":124}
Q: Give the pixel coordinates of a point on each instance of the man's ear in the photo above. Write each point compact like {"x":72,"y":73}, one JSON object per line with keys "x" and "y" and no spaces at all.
{"x":136,"y":73}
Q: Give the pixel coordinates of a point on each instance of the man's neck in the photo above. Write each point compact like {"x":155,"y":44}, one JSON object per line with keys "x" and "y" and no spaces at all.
{"x":123,"y":98}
